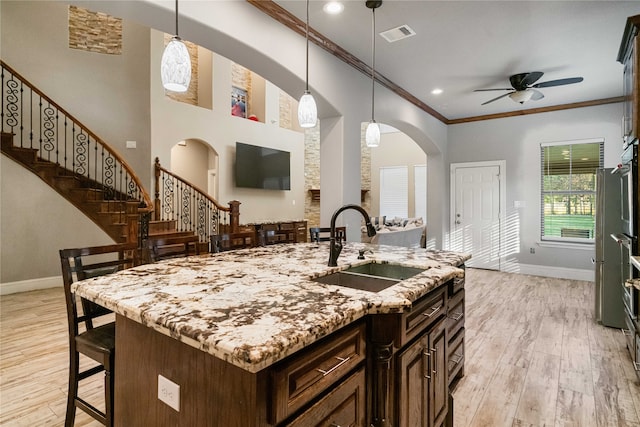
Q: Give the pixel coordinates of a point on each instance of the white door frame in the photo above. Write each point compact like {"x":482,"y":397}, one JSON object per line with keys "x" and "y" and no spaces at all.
{"x":502,"y":165}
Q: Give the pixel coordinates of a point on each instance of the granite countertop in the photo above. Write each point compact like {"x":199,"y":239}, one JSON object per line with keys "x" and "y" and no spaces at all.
{"x":253,"y":307}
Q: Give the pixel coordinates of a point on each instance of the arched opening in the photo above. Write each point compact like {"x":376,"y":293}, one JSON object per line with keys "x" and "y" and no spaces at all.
{"x":196,"y":162}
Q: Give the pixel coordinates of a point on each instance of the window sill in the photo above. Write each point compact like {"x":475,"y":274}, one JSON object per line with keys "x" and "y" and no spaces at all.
{"x":587,"y":246}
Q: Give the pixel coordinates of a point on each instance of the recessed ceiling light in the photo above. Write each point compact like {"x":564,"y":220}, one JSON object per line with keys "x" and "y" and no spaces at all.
{"x":436,"y":91}
{"x":333,"y":7}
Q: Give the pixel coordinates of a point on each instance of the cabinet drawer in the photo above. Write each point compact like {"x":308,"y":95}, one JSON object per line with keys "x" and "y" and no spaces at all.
{"x":423,"y":313}
{"x":303,"y":377}
{"x":456,"y":355}
{"x":455,"y":313}
{"x":344,"y":406}
{"x":629,"y":332}
{"x":456,"y":285}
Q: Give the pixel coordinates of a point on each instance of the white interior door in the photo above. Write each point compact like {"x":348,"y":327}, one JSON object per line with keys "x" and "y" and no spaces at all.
{"x":477,"y":196}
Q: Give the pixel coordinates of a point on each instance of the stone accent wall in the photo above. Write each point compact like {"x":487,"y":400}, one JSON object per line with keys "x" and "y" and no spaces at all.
{"x":286,"y":111}
{"x":312,"y":174}
{"x":365,"y":169}
{"x":94,"y":31}
{"x":191,"y":95}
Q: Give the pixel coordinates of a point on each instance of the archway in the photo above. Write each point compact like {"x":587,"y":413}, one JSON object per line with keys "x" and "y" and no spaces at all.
{"x":196,"y":161}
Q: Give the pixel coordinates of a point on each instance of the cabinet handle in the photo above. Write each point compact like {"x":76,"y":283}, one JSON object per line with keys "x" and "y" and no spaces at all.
{"x":342,"y":360}
{"x":334,"y":425}
{"x":434,"y":310}
{"x":636,"y":366}
{"x":456,"y":316}
{"x":459,"y":356}
{"x":433,"y":350}
{"x":626,"y":332}
{"x":426,"y":354}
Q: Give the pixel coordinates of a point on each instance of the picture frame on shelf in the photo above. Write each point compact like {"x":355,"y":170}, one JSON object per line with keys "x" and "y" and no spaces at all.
{"x":238,"y":102}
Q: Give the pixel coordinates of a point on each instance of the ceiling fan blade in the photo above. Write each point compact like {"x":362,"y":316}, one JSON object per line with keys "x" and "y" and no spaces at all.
{"x":523,"y":80}
{"x":486,"y":90}
{"x":537,"y":95}
{"x":495,"y":99}
{"x":559,"y":82}
{"x":532,"y":77}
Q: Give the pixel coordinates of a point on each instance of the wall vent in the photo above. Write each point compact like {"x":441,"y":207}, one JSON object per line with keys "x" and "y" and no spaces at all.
{"x":398,"y":33}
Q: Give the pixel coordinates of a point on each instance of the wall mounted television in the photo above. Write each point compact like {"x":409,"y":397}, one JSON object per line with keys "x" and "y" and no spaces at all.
{"x":262,"y":167}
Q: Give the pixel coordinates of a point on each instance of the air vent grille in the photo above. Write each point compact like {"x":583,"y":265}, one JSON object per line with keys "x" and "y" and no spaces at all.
{"x":398,"y":33}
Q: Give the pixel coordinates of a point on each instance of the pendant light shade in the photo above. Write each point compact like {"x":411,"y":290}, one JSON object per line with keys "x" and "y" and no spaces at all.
{"x":307,"y":110}
{"x":372,"y":135}
{"x":175,"y":67}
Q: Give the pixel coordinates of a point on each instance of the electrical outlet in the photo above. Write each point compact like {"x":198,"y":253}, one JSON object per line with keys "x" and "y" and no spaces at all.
{"x":532,"y":250}
{"x":169,"y":392}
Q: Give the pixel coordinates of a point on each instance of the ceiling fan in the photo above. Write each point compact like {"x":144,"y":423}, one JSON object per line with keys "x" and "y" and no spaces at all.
{"x":523,"y":88}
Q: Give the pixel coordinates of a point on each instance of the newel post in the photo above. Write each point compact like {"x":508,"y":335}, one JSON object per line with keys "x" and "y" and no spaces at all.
{"x":234,"y":219}
{"x":156,"y":202}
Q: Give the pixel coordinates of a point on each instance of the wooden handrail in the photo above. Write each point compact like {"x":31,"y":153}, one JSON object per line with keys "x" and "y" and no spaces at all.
{"x":147,"y":198}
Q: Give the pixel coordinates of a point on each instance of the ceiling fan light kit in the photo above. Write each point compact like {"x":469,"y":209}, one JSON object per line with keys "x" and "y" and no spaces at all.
{"x":523,"y":87}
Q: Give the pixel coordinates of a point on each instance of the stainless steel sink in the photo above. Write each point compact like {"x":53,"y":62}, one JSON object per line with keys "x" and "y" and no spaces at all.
{"x":391,"y":271}
{"x":370,"y":277}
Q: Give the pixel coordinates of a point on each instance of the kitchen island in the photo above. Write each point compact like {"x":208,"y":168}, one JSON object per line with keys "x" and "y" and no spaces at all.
{"x":238,"y":331}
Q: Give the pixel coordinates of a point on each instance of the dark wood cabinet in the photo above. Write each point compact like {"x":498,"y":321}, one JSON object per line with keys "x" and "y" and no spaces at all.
{"x":628,"y":57}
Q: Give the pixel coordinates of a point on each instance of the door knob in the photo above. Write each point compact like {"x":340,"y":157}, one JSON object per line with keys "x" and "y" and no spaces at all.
{"x":458,"y":221}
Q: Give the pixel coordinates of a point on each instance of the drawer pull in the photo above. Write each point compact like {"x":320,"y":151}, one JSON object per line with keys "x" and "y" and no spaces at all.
{"x":434,"y":310}
{"x":636,"y":366}
{"x":456,"y":316}
{"x":342,"y":360}
{"x":458,"y":360}
{"x":626,"y":332}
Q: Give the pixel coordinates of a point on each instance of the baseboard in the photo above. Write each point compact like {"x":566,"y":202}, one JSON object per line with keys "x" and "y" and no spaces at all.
{"x":30,"y":285}
{"x":548,"y":271}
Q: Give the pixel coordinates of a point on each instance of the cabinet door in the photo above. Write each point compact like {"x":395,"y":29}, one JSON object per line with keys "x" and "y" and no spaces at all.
{"x":414,"y":372}
{"x":437,"y":400}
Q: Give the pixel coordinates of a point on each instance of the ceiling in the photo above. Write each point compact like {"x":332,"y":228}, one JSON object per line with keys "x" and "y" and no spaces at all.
{"x":461,"y":46}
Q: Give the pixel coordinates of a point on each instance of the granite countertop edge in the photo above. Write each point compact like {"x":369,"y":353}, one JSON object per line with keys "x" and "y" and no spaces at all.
{"x":255,"y":307}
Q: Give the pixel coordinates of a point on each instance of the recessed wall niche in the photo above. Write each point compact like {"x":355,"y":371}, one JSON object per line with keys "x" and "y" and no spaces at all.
{"x":94,"y":31}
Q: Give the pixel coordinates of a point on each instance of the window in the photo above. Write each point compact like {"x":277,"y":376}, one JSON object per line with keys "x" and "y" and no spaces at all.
{"x":568,"y":197}
{"x":420,"y":191}
{"x":394,"y":192}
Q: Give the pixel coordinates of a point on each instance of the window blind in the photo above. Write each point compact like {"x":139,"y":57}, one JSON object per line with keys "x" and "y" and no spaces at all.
{"x":420,"y":191}
{"x":394,"y":183}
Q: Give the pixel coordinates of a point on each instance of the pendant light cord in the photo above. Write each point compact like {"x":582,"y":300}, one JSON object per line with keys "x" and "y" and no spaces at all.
{"x":373,"y":62}
{"x":176,"y":18}
{"x":307,"y":38}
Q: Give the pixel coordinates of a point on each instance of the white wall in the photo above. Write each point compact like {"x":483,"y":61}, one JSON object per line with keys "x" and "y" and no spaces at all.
{"x":36,"y":222}
{"x":517,"y":140}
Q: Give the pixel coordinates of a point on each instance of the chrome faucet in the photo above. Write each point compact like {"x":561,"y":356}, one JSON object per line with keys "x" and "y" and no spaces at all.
{"x":335,"y":247}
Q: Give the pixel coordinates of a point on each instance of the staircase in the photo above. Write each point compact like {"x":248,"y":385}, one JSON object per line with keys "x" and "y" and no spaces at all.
{"x":95,"y":179}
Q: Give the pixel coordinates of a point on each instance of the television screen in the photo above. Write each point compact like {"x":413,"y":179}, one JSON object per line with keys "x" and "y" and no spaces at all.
{"x":262,"y":167}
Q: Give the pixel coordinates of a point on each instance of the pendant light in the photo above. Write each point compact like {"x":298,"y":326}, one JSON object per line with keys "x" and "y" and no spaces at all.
{"x":175,"y":67}
{"x":372,"y":135}
{"x":307,"y":110}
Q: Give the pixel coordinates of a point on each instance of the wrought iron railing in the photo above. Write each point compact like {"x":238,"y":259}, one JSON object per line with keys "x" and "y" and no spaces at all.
{"x":192,"y":209}
{"x":38,"y":123}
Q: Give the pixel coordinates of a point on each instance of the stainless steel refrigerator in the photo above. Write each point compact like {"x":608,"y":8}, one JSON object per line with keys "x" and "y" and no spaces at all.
{"x":608,"y":261}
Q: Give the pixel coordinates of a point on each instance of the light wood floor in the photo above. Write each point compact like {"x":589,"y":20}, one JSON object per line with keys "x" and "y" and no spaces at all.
{"x":534,"y":357}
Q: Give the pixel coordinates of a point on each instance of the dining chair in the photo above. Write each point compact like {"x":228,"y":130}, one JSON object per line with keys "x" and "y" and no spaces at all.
{"x":322,"y":234}
{"x":95,"y":342}
{"x":272,"y":237}
{"x":231,"y":241}
{"x":172,"y":247}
